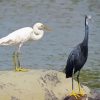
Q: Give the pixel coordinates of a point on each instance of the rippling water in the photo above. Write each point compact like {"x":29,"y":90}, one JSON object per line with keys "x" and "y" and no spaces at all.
{"x":66,"y":18}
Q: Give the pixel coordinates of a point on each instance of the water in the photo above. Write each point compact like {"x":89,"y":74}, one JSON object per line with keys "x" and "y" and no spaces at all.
{"x":66,"y":18}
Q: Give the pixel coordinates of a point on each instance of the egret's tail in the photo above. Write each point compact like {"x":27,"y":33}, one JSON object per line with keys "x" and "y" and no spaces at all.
{"x":5,"y":41}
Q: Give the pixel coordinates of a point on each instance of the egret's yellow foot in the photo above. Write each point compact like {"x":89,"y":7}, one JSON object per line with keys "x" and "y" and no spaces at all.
{"x":19,"y":69}
{"x":76,"y":95}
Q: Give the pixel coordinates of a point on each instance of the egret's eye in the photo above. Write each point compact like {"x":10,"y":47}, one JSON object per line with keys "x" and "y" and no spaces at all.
{"x":41,"y":27}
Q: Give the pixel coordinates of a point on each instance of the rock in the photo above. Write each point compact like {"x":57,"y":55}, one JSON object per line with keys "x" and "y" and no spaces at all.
{"x":95,"y":95}
{"x":36,"y":85}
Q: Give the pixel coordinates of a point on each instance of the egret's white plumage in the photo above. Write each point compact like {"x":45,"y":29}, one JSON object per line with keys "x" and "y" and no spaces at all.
{"x":17,"y":37}
{"x":23,"y":35}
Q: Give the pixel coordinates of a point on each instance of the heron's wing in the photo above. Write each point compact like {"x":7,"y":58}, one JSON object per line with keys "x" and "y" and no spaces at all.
{"x":73,"y":55}
{"x":72,"y":61}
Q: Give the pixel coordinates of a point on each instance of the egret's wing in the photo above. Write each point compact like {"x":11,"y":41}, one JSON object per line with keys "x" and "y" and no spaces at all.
{"x":18,"y":36}
{"x":5,"y":41}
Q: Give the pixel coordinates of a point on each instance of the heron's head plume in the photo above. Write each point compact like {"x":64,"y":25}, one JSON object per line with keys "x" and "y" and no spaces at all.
{"x":87,"y":17}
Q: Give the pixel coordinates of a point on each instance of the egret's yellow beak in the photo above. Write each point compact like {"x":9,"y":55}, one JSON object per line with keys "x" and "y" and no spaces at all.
{"x":47,"y":28}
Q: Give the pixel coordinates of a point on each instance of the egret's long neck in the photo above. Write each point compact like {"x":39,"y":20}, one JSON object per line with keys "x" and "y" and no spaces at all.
{"x":85,"y":41}
{"x":37,"y":34}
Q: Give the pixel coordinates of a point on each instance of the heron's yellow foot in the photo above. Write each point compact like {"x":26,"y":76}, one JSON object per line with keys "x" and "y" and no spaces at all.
{"x":76,"y":95}
{"x":20,"y":69}
{"x":81,"y":92}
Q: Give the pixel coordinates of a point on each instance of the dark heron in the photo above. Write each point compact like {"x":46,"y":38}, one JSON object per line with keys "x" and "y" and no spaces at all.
{"x":78,"y":57}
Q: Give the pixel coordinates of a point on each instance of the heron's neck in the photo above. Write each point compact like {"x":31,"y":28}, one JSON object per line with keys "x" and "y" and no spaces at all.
{"x":37,"y":34}
{"x":85,"y":41}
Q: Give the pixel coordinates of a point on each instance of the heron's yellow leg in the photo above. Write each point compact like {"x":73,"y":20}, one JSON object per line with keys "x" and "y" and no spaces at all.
{"x":73,"y":93}
{"x":81,"y":91}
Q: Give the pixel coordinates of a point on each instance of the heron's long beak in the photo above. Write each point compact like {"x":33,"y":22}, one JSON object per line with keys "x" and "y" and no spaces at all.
{"x":47,"y":28}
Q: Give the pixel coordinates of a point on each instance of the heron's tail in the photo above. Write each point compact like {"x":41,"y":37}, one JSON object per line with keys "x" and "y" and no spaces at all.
{"x":68,"y":71}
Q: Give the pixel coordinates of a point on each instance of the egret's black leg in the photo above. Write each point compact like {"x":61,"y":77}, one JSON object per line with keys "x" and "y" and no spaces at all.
{"x":19,"y":68}
{"x":14,"y":59}
{"x":18,"y":60}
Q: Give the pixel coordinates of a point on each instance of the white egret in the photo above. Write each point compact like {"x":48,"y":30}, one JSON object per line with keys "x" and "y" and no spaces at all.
{"x":21,"y":36}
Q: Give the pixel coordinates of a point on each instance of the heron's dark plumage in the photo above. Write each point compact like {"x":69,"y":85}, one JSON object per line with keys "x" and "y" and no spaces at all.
{"x":79,"y":54}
